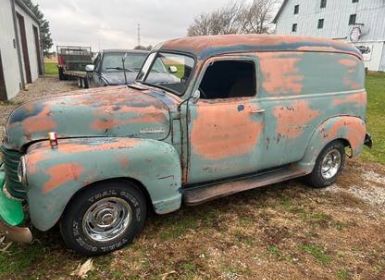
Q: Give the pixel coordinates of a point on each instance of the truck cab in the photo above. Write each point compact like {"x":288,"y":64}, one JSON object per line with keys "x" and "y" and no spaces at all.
{"x":207,"y":117}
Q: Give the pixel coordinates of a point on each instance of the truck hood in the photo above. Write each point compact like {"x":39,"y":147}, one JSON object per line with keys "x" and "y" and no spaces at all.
{"x":105,"y":112}
{"x":117,"y":78}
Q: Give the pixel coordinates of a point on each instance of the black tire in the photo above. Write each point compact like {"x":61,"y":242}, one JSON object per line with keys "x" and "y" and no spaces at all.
{"x":61,"y":74}
{"x":74,"y":231}
{"x":80,"y":82}
{"x":86,"y":83}
{"x":316,"y":179}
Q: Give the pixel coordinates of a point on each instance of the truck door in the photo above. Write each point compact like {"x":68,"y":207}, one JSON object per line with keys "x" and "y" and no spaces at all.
{"x":226,"y":124}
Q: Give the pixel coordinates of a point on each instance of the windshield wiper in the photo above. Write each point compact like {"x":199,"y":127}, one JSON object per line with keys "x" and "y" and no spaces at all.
{"x":119,"y":69}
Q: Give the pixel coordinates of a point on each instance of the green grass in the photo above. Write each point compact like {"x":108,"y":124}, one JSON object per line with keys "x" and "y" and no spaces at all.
{"x":50,"y":68}
{"x":375,"y":86}
{"x":343,"y":274}
{"x":317,"y":252}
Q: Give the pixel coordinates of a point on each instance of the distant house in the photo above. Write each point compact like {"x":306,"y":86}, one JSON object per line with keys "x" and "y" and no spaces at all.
{"x":361,"y":22}
{"x":20,"y":52}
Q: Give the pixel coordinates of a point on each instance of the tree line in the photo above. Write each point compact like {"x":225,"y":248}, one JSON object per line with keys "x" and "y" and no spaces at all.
{"x":235,"y":18}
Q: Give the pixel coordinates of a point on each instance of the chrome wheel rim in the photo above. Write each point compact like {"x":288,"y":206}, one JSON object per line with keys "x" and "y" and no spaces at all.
{"x":331,"y":164}
{"x":107,"y":219}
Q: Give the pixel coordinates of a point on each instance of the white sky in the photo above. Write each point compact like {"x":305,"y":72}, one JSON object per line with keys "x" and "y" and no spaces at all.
{"x":104,"y":24}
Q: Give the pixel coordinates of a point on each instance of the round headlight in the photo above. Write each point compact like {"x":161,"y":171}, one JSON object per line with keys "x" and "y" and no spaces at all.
{"x":22,"y":171}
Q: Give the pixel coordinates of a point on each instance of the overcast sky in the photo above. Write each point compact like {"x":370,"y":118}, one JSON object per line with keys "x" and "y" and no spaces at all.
{"x":105,"y":24}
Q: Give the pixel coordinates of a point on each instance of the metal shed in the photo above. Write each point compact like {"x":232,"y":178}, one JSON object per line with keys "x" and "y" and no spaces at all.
{"x":20,"y":51}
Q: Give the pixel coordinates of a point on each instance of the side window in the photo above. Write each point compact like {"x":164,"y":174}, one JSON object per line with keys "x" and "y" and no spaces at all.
{"x":229,"y":79}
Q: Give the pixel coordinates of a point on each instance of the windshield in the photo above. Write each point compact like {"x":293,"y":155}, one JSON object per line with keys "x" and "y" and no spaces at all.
{"x":166,"y":70}
{"x":112,"y":62}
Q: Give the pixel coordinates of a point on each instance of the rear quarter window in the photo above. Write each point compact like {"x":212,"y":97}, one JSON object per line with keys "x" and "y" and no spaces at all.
{"x":293,"y":73}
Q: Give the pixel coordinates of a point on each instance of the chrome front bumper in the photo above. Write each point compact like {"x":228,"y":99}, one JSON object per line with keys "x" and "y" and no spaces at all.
{"x":17,"y":234}
{"x":11,"y":216}
{"x":368,"y":140}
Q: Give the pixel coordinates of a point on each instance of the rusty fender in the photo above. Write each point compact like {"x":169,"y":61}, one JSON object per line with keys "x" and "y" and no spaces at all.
{"x":348,"y":128}
{"x":54,"y":176}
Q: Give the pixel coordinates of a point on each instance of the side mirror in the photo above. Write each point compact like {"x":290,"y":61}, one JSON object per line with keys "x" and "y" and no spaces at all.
{"x":195,"y":96}
{"x":90,"y":68}
{"x":173,"y":69}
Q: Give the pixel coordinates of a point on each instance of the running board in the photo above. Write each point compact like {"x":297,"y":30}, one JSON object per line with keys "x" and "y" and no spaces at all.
{"x":204,"y":193}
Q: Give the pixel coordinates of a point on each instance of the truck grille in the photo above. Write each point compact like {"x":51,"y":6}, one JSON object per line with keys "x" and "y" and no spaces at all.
{"x":11,"y":163}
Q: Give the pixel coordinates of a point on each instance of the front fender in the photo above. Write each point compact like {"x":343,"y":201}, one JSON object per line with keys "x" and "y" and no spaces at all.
{"x":348,"y":128}
{"x":54,"y":175}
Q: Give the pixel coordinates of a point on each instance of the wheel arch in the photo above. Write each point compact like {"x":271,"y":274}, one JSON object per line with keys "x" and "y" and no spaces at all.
{"x":136,"y":183}
{"x":349,"y":130}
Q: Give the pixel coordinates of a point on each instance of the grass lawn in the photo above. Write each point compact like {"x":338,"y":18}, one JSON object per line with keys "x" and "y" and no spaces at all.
{"x":50,"y":68}
{"x":375,"y":85}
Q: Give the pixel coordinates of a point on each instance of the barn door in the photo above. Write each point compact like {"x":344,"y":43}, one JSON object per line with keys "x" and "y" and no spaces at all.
{"x":24,"y":47}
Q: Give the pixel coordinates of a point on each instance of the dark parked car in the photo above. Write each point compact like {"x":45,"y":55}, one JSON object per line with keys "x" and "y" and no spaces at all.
{"x":108,"y":67}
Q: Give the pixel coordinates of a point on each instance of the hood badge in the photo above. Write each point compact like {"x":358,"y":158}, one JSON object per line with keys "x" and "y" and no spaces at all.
{"x":150,"y":130}
{"x":52,"y":136}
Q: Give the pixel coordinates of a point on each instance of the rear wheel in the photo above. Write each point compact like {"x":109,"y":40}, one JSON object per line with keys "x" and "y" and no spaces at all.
{"x":328,"y":166}
{"x":80,"y":82}
{"x":104,"y":218}
{"x":61,"y":74}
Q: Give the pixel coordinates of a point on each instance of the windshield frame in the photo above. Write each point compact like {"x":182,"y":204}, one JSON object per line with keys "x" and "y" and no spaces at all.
{"x":172,"y":52}
{"x":117,"y":53}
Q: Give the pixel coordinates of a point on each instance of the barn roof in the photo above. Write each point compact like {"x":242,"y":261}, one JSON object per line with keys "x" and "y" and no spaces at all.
{"x":27,"y":10}
{"x":280,"y":11}
{"x":206,"y":46}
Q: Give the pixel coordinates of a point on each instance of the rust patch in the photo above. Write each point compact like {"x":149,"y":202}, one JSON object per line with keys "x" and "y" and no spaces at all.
{"x":39,"y":123}
{"x":61,"y":174}
{"x":356,"y":98}
{"x":74,"y":147}
{"x":123,"y":161}
{"x":201,"y":43}
{"x":350,"y":63}
{"x":280,"y":73}
{"x":353,"y":130}
{"x":218,"y":134}
{"x":149,"y":114}
{"x":293,"y":118}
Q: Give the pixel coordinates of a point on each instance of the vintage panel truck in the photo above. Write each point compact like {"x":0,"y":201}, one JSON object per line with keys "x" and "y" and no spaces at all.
{"x":240,"y":112}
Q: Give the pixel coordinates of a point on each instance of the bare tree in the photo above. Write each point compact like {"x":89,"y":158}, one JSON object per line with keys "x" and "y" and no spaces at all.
{"x":257,"y":17}
{"x":235,"y":18}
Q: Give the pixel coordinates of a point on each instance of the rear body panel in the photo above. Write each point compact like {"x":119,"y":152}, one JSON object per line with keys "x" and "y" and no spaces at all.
{"x":297,"y":93}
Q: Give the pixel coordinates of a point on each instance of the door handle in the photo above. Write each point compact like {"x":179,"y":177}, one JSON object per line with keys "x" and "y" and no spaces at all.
{"x":256,"y":111}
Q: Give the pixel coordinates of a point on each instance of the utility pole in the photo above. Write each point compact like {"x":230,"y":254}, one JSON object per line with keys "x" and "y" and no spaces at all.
{"x":139,"y":34}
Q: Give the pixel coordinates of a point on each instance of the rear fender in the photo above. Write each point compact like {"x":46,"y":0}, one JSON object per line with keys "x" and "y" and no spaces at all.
{"x":348,"y":128}
{"x":55,"y":175}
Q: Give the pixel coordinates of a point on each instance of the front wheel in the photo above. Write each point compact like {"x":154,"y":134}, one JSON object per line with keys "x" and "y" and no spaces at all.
{"x":328,"y":166}
{"x":104,"y":218}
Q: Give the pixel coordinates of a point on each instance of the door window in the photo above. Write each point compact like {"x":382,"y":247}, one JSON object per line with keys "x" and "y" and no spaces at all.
{"x":229,"y":79}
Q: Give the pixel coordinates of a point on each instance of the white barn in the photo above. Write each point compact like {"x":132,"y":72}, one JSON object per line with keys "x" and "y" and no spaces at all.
{"x":20,"y":52}
{"x":361,"y":22}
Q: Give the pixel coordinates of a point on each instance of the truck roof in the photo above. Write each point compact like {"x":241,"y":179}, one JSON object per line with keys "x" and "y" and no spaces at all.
{"x":206,"y":46}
